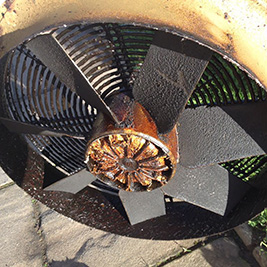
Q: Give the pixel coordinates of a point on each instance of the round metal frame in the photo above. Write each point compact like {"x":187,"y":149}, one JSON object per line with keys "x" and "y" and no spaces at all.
{"x":225,"y":27}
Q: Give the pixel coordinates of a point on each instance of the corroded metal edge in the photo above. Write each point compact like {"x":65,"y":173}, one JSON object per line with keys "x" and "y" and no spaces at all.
{"x":130,"y":162}
{"x":104,"y":153}
{"x":225,"y":26}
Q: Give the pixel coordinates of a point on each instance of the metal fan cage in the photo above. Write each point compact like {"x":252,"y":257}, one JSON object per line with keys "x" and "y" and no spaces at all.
{"x":110,"y":55}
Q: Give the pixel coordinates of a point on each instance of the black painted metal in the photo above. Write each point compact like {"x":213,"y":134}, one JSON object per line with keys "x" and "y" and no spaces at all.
{"x":49,"y":103}
{"x":218,"y":134}
{"x":27,"y":128}
{"x":169,"y":75}
{"x":110,"y":56}
{"x":212,"y":188}
{"x":142,"y":206}
{"x":104,"y":211}
{"x":49,"y":50}
{"x":73,"y":183}
{"x":52,"y":105}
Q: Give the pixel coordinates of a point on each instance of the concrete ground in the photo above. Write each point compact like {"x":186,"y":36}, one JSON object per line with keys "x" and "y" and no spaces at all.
{"x":33,"y":235}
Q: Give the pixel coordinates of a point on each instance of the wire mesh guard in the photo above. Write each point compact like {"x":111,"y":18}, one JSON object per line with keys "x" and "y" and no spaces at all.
{"x":110,"y":56}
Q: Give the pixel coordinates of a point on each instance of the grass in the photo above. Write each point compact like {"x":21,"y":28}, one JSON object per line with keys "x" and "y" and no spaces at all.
{"x":260,"y":223}
{"x":247,"y":169}
{"x":6,"y":185}
{"x":178,"y":255}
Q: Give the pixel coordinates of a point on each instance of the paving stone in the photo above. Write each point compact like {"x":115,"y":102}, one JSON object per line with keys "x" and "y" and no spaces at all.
{"x":70,"y":243}
{"x":220,"y":253}
{"x":245,"y":232}
{"x":4,"y":179}
{"x":261,"y":257}
{"x":19,"y":243}
{"x":251,"y":238}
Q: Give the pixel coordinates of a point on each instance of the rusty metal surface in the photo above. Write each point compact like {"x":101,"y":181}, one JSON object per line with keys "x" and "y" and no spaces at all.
{"x":151,"y":157}
{"x":225,"y":26}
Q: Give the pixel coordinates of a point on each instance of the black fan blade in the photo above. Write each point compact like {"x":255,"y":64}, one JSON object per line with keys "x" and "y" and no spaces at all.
{"x":170,"y":73}
{"x":142,"y":206}
{"x":218,"y":134}
{"x":52,"y":54}
{"x":27,"y":128}
{"x":210,"y":187}
{"x":73,"y":183}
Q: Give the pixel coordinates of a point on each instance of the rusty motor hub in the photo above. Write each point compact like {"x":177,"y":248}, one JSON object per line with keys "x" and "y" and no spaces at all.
{"x":131,"y":155}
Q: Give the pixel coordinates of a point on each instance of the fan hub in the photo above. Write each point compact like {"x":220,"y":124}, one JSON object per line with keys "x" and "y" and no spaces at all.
{"x":128,"y":164}
{"x":131,"y":156}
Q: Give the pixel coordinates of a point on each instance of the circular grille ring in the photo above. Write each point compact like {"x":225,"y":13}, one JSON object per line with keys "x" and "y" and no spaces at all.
{"x":110,"y":55}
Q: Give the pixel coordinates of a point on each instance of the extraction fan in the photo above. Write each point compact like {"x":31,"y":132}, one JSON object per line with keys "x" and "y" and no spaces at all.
{"x":136,"y":113}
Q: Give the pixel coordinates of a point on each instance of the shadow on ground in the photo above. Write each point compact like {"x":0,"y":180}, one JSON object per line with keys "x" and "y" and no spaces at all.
{"x":71,"y":262}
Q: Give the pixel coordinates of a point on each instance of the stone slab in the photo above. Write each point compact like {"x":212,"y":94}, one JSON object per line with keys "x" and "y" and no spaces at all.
{"x":70,"y":243}
{"x":220,"y":253}
{"x":252,"y":238}
{"x":244,"y":231}
{"x":4,"y":179}
{"x":19,"y":243}
{"x":260,"y":256}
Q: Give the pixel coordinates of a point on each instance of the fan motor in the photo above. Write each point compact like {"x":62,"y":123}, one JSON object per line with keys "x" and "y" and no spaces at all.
{"x":110,"y":55}
{"x":132,"y":155}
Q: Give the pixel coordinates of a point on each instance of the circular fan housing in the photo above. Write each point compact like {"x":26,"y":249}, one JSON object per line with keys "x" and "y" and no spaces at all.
{"x":110,"y":55}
